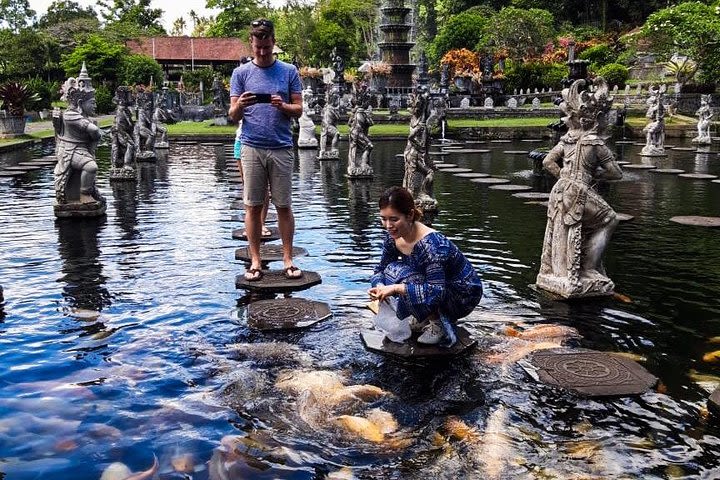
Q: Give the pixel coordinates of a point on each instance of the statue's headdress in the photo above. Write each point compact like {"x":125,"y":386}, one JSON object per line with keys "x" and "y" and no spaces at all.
{"x":587,"y":103}
{"x":77,"y":90}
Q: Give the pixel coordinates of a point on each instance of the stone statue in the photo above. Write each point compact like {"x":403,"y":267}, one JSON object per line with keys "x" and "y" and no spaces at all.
{"x":655,"y":130}
{"x":220,"y":108}
{"x":161,"y":117}
{"x":338,"y":67}
{"x":580,"y":222}
{"x":359,"y":122}
{"x":329,"y":130}
{"x":704,"y":114}
{"x":76,"y":138}
{"x":419,"y":167}
{"x":144,"y":137}
{"x":306,"y":137}
{"x":122,"y":150}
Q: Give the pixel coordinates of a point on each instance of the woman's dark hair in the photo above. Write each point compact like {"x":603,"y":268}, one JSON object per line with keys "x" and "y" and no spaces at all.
{"x":400,"y":199}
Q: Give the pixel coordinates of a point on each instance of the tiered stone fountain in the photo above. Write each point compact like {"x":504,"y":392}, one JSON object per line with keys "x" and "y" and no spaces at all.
{"x":395,"y":47}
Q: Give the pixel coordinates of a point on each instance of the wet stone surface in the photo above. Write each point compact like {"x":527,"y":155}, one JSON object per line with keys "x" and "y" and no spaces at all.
{"x":698,"y":176}
{"x":286,"y":313}
{"x":532,"y":195}
{"x":697,"y":221}
{"x":510,"y":187}
{"x":589,"y":373}
{"x":240,"y":234}
{"x":639,"y":166}
{"x":670,"y":171}
{"x":268,"y":253}
{"x":472,"y":175}
{"x":376,"y":341}
{"x":490,"y":180}
{"x":275,"y":281}
{"x":455,"y":170}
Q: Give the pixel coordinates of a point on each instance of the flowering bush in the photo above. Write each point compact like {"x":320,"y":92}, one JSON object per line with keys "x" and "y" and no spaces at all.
{"x":462,"y":62}
{"x":379,"y":69}
{"x":559,"y":53}
{"x":310,"y":72}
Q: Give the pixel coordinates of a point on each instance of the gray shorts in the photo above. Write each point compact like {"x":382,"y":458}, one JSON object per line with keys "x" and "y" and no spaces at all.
{"x":263,"y":166}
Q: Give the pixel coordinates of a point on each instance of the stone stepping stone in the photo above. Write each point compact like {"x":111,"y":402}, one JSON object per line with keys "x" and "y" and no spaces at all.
{"x":239,"y":234}
{"x":31,"y":165}
{"x":625,"y":142}
{"x":532,"y":195}
{"x":683,"y":149}
{"x":439,"y":153}
{"x":624,"y":217}
{"x":286,"y":313}
{"x":639,"y":144}
{"x":472,"y":175}
{"x":698,"y":176}
{"x":668,"y":170}
{"x":268,"y":253}
{"x":471,"y":150}
{"x":589,"y":373}
{"x":375,"y":341}
{"x":399,"y":155}
{"x":715,"y":181}
{"x":532,"y":140}
{"x":516,"y":152}
{"x":500,"y":141}
{"x":639,"y":166}
{"x":713,"y":403}
{"x":623,"y":162}
{"x":234,"y":180}
{"x":16,"y":168}
{"x":275,"y":281}
{"x":240,"y":217}
{"x":445,"y":165}
{"x":697,"y":221}
{"x":490,"y":180}
{"x":455,"y":170}
{"x":453,"y":147}
{"x":536,"y":202}
{"x":510,"y":188}
{"x":12,"y":173}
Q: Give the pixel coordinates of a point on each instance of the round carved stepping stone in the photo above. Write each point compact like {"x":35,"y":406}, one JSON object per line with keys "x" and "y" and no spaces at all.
{"x":697,"y":221}
{"x":240,"y":217}
{"x":533,"y":140}
{"x":715,"y":181}
{"x":12,"y":173}
{"x":590,"y":373}
{"x":445,"y":165}
{"x":625,"y":142}
{"x":639,"y":166}
{"x":698,"y":176}
{"x":399,"y":155}
{"x":516,"y":152}
{"x":472,"y":175}
{"x":275,"y":281}
{"x":668,"y":170}
{"x":376,"y":341}
{"x":439,"y":153}
{"x":30,"y":165}
{"x":471,"y":150}
{"x":286,"y":313}
{"x":510,"y":188}
{"x":623,"y":162}
{"x":453,"y":147}
{"x":713,"y":403}
{"x":268,"y":253}
{"x":239,"y":234}
{"x":532,"y":195}
{"x":455,"y":170}
{"x":490,"y":180}
{"x":536,"y":202}
{"x":683,"y":149}
{"x":16,"y":168}
{"x":235,"y":180}
{"x":500,"y":141}
{"x":624,"y":217}
{"x":38,"y":163}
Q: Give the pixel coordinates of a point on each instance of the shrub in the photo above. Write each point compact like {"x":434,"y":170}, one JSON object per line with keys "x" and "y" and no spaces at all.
{"x":16,"y":98}
{"x":103,"y":98}
{"x":598,"y":55}
{"x":614,"y":74}
{"x":534,"y":75}
{"x":139,"y":69}
{"x":46,"y":91}
{"x":191,"y":79}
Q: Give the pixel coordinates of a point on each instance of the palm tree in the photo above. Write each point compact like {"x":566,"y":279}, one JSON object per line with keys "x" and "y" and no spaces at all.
{"x":178,"y":27}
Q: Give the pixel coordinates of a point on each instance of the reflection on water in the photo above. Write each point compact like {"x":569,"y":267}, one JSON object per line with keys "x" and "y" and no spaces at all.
{"x":123,"y":337}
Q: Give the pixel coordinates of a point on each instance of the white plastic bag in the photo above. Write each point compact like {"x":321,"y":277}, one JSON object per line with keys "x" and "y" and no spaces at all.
{"x":396,"y":329}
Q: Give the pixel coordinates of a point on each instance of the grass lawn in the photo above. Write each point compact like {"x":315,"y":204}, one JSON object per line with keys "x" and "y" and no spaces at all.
{"x":679,"y":120}
{"x":501,"y":122}
{"x":39,"y":134}
{"x":200,"y":128}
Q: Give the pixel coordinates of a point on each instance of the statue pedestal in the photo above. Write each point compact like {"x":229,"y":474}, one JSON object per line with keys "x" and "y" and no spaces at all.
{"x":327,"y":155}
{"x":220,"y":120}
{"x":650,"y":151}
{"x":702,"y":140}
{"x":307,"y":139}
{"x":162,"y":145}
{"x":146,"y":156}
{"x":79,"y":209}
{"x":596,"y":285}
{"x":122,"y":174}
{"x":360,"y":174}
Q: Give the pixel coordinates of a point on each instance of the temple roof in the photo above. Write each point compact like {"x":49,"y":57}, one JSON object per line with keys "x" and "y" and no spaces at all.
{"x":191,"y":48}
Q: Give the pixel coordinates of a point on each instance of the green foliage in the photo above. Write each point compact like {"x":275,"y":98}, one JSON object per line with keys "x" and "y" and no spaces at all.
{"x":464,"y":30}
{"x":64,"y":11}
{"x":24,"y":54}
{"x":139,"y":69}
{"x":103,"y":98}
{"x":235,"y":17}
{"x":192,"y":79}
{"x":132,"y":17}
{"x":100,"y":56}
{"x":534,"y":74}
{"x":614,"y":74}
{"x":522,"y":33}
{"x":294,"y":27}
{"x":348,"y":26}
{"x":46,"y":92}
{"x":16,"y":98}
{"x":326,"y":36}
{"x":16,"y":14}
{"x":598,"y":55}
{"x":690,"y":28}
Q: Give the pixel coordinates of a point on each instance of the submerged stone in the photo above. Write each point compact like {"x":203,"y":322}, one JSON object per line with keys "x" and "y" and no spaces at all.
{"x":377,"y":342}
{"x":275,"y":281}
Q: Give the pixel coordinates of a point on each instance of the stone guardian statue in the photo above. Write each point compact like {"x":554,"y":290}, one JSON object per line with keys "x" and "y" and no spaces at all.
{"x":76,"y":138}
{"x":161,"y":117}
{"x":419,"y":167}
{"x":704,"y":114}
{"x":329,"y":131}
{"x":359,"y":143}
{"x":122,"y":149}
{"x":144,"y":137}
{"x":579,"y":221}
{"x":306,"y":136}
{"x":655,"y":130}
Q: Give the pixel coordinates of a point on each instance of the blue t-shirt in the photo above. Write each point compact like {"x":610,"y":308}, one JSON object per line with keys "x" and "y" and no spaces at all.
{"x":264,"y":126}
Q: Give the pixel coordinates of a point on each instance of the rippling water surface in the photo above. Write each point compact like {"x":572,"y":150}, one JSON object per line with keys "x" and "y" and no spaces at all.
{"x":124,"y":338}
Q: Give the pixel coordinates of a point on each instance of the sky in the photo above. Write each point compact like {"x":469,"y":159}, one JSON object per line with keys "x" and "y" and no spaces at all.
{"x":172,"y":9}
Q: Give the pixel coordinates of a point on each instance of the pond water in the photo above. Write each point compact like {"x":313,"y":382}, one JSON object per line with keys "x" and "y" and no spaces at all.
{"x":125,"y":337}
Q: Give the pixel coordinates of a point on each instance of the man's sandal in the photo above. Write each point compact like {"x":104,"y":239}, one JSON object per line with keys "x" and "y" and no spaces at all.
{"x":293,"y":273}
{"x":253,"y":275}
{"x":266,"y":232}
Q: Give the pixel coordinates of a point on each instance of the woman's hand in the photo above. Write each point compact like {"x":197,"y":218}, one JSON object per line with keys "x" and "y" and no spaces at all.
{"x":381,"y":292}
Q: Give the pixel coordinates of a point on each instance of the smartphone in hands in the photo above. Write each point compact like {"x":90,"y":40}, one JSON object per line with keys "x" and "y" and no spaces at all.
{"x":262,"y":97}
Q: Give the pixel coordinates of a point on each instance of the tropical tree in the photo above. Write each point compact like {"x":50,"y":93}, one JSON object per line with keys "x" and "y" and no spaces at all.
{"x":64,"y":11}
{"x":521,"y":33}
{"x":201,"y":25}
{"x":131,"y":18}
{"x":294,"y":27}
{"x":235,"y":17}
{"x":178,"y":27}
{"x":139,"y":69}
{"x":464,"y":30}
{"x":101,"y":57}
{"x":16,"y":14}
{"x":25,"y":54}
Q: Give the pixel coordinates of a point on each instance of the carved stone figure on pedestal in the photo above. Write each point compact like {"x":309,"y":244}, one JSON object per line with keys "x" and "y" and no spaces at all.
{"x":329,"y":130}
{"x":306,"y":137}
{"x":338,"y":67}
{"x":704,"y":114}
{"x":359,"y":143}
{"x":76,"y":138}
{"x":220,"y":108}
{"x":655,"y":130}
{"x":419,"y":168}
{"x":580,"y":222}
{"x":122,"y":150}
{"x":161,"y":117}
{"x":144,"y":136}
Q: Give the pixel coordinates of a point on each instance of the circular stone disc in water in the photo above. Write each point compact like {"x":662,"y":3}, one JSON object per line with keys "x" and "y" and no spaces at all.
{"x":533,"y":140}
{"x":500,"y":141}
{"x":623,"y":162}
{"x":456,"y":170}
{"x":438,"y":153}
{"x":471,"y":150}
{"x":639,"y":166}
{"x":591,"y":373}
{"x":239,"y":234}
{"x":268,"y":253}
{"x":275,"y":281}
{"x":445,"y":165}
{"x":697,"y":221}
{"x":516,"y":152}
{"x":472,"y":175}
{"x":399,"y":155}
{"x":683,"y":149}
{"x":12,"y":173}
{"x":536,"y":202}
{"x":668,"y":170}
{"x":18,"y":169}
{"x":715,"y":181}
{"x":624,"y":217}
{"x":698,"y":176}
{"x":511,"y":188}
{"x":624,"y":142}
{"x":532,"y":195}
{"x":286,"y":313}
{"x":490,"y":180}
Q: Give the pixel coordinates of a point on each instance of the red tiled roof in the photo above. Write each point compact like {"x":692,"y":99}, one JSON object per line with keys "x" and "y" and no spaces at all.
{"x":189,"y":48}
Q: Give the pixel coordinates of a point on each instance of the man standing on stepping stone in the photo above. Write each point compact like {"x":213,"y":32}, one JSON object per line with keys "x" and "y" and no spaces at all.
{"x":266,"y":93}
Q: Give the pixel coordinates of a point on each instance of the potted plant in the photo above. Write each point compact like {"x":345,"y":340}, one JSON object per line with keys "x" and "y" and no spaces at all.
{"x":311,"y":77}
{"x":378,"y":73}
{"x":14,"y":99}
